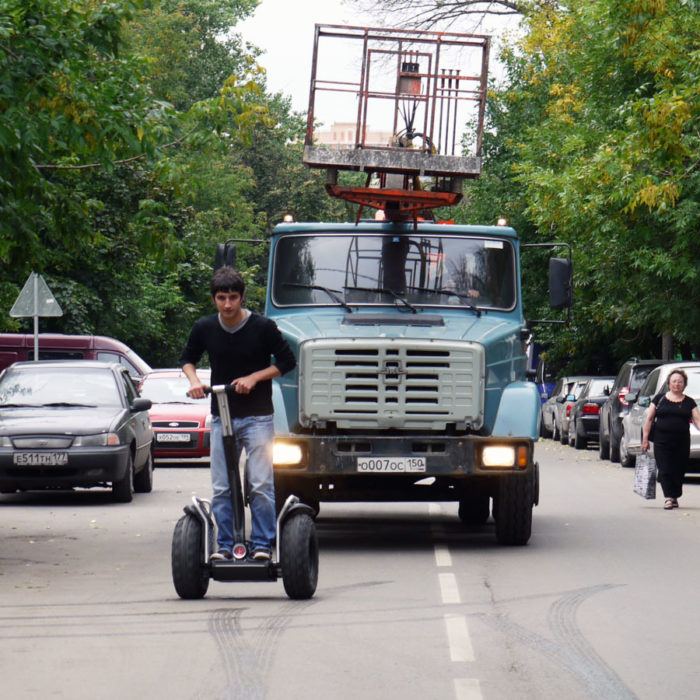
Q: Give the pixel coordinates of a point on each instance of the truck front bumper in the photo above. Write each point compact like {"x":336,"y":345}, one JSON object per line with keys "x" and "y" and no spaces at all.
{"x":386,"y":467}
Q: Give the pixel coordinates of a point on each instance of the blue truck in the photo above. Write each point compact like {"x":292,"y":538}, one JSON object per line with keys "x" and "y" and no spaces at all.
{"x":411,"y":382}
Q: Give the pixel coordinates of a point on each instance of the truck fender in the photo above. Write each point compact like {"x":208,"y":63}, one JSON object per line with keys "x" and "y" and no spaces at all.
{"x":281,"y":422}
{"x":518,"y":411}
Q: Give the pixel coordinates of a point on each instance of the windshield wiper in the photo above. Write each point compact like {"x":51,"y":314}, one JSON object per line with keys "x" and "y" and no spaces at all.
{"x":449,"y":292}
{"x":382,"y":290}
{"x":61,"y":404}
{"x":332,"y":293}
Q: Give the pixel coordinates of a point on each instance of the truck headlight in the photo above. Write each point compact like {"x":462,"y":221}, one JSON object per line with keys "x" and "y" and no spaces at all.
{"x":505,"y":456}
{"x":498,"y":456}
{"x":286,"y":453}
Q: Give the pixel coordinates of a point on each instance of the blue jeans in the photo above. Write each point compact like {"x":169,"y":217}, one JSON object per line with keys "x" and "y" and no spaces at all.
{"x":256,"y":435}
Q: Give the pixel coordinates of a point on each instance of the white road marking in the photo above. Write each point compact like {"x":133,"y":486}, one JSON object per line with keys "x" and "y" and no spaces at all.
{"x":442,"y":555}
{"x":458,"y":638}
{"x":467,"y":689}
{"x":449,"y":589}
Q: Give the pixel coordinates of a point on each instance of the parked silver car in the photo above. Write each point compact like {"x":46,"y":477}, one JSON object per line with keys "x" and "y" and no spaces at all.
{"x":555,"y":404}
{"x":633,"y":422}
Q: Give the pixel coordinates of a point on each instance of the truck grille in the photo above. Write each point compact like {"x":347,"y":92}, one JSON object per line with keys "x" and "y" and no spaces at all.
{"x":391,"y":383}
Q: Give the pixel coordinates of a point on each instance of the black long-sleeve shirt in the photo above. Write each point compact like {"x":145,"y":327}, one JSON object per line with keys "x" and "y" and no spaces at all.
{"x":232,"y":355}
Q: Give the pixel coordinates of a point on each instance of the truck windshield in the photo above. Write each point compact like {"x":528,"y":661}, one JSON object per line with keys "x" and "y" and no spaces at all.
{"x":390,"y":270}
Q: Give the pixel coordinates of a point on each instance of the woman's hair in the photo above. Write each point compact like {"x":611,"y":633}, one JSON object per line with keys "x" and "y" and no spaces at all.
{"x":682,"y":373}
{"x":226,"y":279}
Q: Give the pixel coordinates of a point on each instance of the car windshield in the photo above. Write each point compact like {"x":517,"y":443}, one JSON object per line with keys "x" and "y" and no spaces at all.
{"x":59,"y":387}
{"x":596,"y":387}
{"x":385,"y":269}
{"x":693,"y":388}
{"x":639,"y":375}
{"x":169,"y":390}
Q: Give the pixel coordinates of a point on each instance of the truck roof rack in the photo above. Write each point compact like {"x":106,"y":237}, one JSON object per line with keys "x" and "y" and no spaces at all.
{"x":407,"y":106}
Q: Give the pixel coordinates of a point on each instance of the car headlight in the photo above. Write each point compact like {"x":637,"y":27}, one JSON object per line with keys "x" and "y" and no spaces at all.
{"x":5,"y":441}
{"x":286,"y":453}
{"x":99,"y":440}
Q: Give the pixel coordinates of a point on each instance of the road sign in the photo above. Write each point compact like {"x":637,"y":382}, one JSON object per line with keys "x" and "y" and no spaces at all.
{"x":35,"y":299}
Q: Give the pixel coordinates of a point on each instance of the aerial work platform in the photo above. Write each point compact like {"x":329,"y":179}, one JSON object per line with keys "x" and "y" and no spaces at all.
{"x":418,"y":98}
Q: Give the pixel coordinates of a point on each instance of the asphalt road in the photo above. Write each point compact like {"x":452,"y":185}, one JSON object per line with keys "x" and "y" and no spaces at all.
{"x":601,"y":604}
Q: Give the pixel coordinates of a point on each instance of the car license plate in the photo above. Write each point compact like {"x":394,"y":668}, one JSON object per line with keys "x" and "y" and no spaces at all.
{"x":172,"y":437}
{"x":40,"y":459}
{"x":391,"y":464}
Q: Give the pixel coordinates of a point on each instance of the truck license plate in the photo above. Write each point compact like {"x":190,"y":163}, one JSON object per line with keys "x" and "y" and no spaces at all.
{"x":40,"y":459}
{"x":391,"y":464}
{"x":172,"y":437}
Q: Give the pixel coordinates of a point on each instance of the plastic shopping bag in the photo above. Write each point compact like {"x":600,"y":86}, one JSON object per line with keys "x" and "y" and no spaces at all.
{"x":645,"y":476}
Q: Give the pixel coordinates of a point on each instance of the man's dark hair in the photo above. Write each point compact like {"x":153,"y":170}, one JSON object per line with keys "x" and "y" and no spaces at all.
{"x":226,"y":279}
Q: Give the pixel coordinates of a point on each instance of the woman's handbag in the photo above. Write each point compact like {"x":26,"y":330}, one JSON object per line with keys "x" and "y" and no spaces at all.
{"x":645,"y":476}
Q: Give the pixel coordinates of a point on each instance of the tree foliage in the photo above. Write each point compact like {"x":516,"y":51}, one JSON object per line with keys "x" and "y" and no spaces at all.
{"x":135,"y":137}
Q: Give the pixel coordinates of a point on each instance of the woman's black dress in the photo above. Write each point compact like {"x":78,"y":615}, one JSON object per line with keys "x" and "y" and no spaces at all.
{"x":672,"y":442}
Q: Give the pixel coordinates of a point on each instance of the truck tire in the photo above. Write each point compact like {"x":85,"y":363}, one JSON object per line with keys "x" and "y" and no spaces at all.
{"x":299,"y":556}
{"x":513,"y":510}
{"x":474,"y":509}
{"x":191,"y":579}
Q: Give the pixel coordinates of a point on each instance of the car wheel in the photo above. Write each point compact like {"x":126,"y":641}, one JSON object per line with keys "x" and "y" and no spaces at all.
{"x":143,"y":480}
{"x":580,"y":441}
{"x":626,"y":459}
{"x":544,"y":432}
{"x":555,"y":430}
{"x":564,"y":436}
{"x":123,"y":489}
{"x":603,"y":444}
{"x":614,"y":446}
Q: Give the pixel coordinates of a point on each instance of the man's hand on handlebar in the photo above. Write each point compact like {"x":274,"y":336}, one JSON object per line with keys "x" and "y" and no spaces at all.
{"x":198,"y":391}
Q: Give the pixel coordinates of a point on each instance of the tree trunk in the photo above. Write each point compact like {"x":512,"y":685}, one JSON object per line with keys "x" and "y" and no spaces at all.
{"x":667,"y":347}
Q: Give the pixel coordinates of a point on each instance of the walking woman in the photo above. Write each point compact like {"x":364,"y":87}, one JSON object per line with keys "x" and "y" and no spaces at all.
{"x":673,"y":412}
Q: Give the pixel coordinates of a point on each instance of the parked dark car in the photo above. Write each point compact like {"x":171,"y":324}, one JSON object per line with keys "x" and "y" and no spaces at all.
{"x":181,"y":425}
{"x":585,"y":412}
{"x":74,"y":423}
{"x":566,"y":405}
{"x":629,"y":378}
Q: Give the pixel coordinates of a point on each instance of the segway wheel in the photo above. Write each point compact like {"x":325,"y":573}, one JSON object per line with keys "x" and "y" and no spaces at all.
{"x":191,"y":579}
{"x":299,"y":556}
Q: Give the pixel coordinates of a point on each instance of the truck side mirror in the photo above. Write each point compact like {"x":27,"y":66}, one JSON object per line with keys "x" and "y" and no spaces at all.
{"x":560,"y":272}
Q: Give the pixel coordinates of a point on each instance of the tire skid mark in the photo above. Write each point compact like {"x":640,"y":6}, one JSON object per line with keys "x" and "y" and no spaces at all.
{"x":248,"y":654}
{"x":568,"y":648}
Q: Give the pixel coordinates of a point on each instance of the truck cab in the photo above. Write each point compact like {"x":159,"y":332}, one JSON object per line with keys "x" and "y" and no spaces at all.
{"x":411,"y":375}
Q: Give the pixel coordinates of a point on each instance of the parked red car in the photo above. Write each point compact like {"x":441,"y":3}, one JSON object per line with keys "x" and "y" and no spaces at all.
{"x":180,"y":424}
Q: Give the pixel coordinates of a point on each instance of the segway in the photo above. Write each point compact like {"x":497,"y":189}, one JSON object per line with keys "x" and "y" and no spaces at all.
{"x":295,"y":558}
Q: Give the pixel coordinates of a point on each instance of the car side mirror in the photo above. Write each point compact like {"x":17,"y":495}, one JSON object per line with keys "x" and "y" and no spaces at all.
{"x":631,"y":397}
{"x":560,"y":399}
{"x":570,"y":397}
{"x":644,"y":401}
{"x":141,"y":405}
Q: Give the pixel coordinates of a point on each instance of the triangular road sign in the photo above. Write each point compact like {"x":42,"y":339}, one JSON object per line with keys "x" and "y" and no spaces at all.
{"x":35,"y":299}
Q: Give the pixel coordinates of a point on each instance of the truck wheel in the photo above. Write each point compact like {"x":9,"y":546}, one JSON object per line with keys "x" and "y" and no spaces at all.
{"x":514,"y":510}
{"x":474,"y":509}
{"x":299,"y":556}
{"x":143,"y":480}
{"x":191,"y":579}
{"x":123,"y":489}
